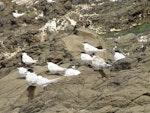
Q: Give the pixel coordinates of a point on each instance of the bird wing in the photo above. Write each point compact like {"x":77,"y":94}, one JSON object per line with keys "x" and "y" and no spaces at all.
{"x":22,"y":70}
{"x":86,"y":57}
{"x":27,"y":58}
{"x":98,"y":62}
{"x":118,"y":56}
{"x":55,"y":67}
{"x":53,"y":80}
{"x":71,"y":72}
{"x":90,"y":47}
{"x":31,"y":78}
{"x":43,"y":82}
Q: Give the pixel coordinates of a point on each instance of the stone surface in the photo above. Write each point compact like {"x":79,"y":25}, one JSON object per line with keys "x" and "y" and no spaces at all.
{"x":125,"y":88}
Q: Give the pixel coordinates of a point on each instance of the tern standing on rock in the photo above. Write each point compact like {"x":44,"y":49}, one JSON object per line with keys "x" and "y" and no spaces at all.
{"x":98,"y":63}
{"x":118,"y":56}
{"x":27,"y":59}
{"x":43,"y":82}
{"x":31,"y":78}
{"x":89,"y":49}
{"x":72,"y":71}
{"x":55,"y":69}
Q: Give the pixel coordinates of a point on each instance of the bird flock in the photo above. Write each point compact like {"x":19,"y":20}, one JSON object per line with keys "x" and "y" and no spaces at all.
{"x":88,"y":57}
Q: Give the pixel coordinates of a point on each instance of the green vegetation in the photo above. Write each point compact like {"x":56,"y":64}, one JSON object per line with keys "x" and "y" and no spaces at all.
{"x":6,"y":0}
{"x":137,"y":29}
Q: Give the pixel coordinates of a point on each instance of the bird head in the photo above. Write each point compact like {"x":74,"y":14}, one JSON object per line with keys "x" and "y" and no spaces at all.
{"x":117,"y":50}
{"x":49,"y":60}
{"x":24,"y":53}
{"x":48,"y":63}
{"x":20,"y":68}
{"x":85,"y":43}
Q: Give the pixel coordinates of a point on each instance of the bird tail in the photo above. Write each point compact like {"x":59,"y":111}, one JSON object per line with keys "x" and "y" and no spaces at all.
{"x":65,"y":69}
{"x":53,"y":80}
{"x":102,"y":50}
{"x":34,"y":61}
{"x":108,"y":65}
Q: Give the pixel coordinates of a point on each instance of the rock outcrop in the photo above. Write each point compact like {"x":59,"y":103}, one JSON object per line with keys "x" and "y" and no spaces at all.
{"x":121,"y":88}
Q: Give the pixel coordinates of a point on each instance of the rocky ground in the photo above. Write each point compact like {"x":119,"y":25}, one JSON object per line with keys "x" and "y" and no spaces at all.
{"x":125,"y":87}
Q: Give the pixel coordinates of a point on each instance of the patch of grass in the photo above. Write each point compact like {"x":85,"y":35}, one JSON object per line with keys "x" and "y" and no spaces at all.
{"x":6,"y":0}
{"x":140,"y":28}
{"x":137,"y":29}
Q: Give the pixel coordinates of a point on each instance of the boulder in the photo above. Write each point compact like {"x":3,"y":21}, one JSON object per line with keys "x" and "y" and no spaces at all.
{"x":128,"y":42}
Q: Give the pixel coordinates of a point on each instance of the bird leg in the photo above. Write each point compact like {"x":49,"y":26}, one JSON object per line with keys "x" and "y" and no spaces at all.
{"x":31,"y":90}
{"x":101,"y":71}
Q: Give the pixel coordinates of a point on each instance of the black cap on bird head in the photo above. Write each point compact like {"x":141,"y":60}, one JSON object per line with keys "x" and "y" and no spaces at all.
{"x":99,"y":47}
{"x":49,"y":60}
{"x":93,"y":54}
{"x":117,"y":50}
{"x":82,"y":52}
{"x":85,"y":42}
{"x":30,"y":70}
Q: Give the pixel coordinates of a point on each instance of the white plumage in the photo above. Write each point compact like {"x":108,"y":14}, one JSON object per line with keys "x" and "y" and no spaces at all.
{"x":118,"y":56}
{"x":1,"y":4}
{"x":22,"y":71}
{"x":17,"y":15}
{"x":98,"y":63}
{"x":113,"y":0}
{"x":43,"y":82}
{"x":50,"y":1}
{"x":71,"y":72}
{"x":86,"y":58}
{"x":31,"y":78}
{"x":55,"y":69}
{"x":27,"y":59}
{"x":89,"y":49}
